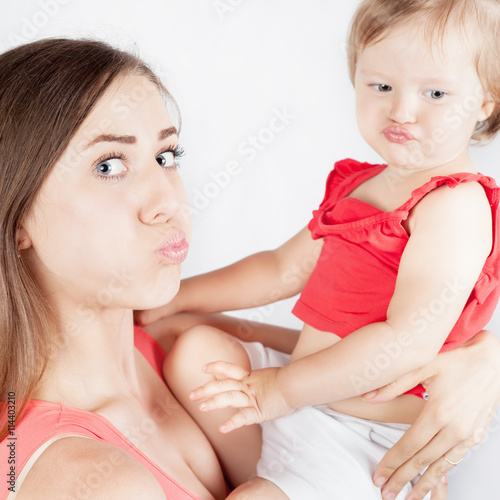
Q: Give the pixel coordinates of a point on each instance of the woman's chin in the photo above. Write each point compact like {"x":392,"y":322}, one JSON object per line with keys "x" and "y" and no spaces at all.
{"x":158,"y":299}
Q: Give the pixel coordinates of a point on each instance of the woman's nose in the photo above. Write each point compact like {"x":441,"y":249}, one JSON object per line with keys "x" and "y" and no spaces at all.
{"x":162,"y":195}
{"x":403,"y":108}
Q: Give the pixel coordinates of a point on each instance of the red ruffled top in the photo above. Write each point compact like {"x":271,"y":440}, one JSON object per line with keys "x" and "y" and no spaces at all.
{"x":355,"y":276}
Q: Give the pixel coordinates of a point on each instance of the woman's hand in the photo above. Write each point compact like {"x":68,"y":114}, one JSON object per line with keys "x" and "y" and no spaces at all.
{"x":256,"y":393}
{"x":464,"y":394}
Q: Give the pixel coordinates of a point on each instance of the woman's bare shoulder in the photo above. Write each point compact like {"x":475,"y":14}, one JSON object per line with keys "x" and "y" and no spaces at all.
{"x":77,"y":467}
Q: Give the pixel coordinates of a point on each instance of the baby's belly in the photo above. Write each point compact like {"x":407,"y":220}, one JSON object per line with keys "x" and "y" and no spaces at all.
{"x":403,"y":409}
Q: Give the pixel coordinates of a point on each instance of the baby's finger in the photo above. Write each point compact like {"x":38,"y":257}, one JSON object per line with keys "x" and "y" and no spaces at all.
{"x":141,"y":318}
{"x":148,"y":316}
{"x":246,"y":416}
{"x":226,"y":370}
{"x":229,"y":399}
{"x":215,"y":387}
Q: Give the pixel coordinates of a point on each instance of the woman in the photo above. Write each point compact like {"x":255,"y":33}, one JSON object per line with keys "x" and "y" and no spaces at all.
{"x":94,"y":224}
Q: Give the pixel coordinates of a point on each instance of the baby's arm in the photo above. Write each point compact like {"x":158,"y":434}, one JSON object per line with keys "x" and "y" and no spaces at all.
{"x":254,"y":281}
{"x":450,"y":240}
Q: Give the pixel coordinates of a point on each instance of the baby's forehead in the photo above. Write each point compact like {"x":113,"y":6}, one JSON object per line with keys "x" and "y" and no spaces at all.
{"x":408,"y":55}
{"x":428,"y":36}
{"x":453,"y":47}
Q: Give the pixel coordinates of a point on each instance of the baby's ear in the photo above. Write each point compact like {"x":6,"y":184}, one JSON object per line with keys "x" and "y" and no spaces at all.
{"x":487,"y":108}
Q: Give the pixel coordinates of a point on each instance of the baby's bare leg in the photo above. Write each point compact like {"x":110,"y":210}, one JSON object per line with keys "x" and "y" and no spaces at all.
{"x":258,"y":489}
{"x":239,"y":450}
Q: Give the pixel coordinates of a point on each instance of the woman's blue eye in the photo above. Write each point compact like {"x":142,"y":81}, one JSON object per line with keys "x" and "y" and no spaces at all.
{"x":166,"y":159}
{"x":435,"y":94}
{"x":113,"y":166}
{"x":382,"y":87}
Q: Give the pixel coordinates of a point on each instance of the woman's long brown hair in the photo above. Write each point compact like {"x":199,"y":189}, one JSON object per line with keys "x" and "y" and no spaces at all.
{"x":47,"y":89}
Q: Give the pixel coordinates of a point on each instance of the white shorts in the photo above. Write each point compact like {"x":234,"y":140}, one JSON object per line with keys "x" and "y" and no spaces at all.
{"x":321,"y":454}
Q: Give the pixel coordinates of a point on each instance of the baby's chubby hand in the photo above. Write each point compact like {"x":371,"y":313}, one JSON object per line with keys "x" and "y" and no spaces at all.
{"x":256,"y":393}
{"x":149,"y":316}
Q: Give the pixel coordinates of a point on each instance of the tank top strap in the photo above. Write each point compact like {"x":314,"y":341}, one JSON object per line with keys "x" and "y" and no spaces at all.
{"x":344,"y":177}
{"x":452,"y":181}
{"x":150,"y":349}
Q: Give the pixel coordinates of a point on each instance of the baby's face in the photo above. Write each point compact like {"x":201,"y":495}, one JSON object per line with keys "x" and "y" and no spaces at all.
{"x":418,"y":106}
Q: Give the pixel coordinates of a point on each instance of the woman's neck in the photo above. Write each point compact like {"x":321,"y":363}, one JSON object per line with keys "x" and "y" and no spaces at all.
{"x":93,"y":360}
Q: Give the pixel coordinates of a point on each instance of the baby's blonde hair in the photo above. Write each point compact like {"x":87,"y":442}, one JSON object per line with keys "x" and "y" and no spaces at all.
{"x":479,"y":19}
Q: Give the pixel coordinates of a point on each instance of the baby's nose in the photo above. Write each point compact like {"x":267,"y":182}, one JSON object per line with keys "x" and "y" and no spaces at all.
{"x":403,"y":108}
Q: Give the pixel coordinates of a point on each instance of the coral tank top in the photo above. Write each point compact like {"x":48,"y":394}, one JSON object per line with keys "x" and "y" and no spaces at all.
{"x":355,"y":276}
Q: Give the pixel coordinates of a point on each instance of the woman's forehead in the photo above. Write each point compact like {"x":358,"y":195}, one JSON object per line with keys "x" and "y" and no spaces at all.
{"x":128,"y":107}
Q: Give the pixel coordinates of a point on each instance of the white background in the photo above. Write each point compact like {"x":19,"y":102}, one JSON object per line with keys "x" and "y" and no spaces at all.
{"x":232,"y":65}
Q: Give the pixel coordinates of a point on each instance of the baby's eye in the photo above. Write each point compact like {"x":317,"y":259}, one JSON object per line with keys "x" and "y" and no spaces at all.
{"x":166,"y":159}
{"x":110,"y":167}
{"x":382,"y":87}
{"x":435,"y":94}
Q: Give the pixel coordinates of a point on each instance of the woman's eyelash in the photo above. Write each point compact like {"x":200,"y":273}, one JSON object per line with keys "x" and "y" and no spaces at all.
{"x":178,"y":152}
{"x":110,"y":156}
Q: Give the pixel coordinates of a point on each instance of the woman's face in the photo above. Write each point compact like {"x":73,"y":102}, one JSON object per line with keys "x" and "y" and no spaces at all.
{"x":110,"y":225}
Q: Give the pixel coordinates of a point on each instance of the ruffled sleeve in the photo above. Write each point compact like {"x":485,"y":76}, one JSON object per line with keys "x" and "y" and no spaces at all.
{"x":453,"y":181}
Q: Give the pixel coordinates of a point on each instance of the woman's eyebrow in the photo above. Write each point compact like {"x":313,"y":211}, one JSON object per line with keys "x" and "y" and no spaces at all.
{"x":129,"y":139}
{"x":167,"y":132}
